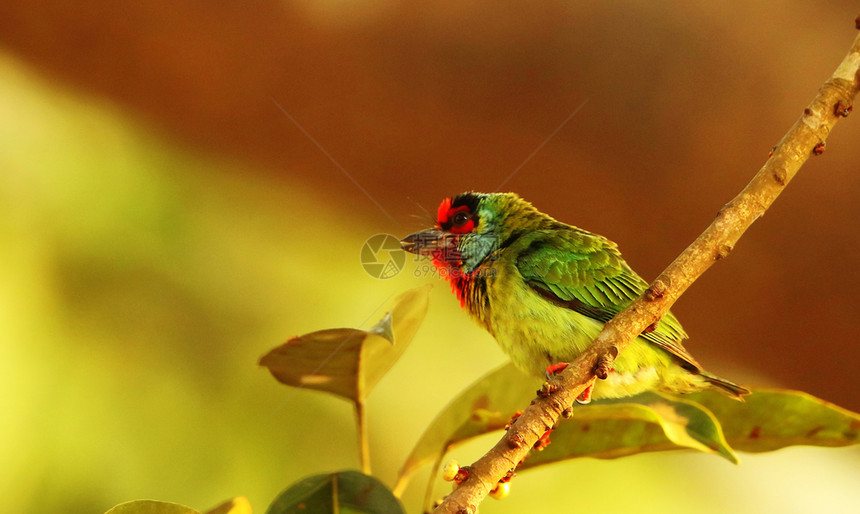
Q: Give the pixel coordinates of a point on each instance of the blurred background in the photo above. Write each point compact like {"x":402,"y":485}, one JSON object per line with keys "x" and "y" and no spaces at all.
{"x":186,"y":184}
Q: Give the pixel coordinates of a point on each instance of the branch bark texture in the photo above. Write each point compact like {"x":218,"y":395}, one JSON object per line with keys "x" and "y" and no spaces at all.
{"x":805,"y":139}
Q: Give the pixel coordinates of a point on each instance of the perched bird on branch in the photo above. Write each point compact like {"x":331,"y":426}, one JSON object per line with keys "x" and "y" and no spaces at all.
{"x":544,"y":289}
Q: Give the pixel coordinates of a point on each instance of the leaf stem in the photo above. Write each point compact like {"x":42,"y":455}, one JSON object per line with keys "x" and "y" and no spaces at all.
{"x":363,"y":443}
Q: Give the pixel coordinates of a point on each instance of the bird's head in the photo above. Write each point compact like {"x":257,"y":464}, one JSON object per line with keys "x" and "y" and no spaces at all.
{"x":470,"y":227}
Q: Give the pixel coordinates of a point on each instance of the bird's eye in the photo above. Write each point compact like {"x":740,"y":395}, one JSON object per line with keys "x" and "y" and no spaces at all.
{"x":459,"y":219}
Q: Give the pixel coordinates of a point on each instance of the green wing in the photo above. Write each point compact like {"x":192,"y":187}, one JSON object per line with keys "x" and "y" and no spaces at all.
{"x":585,"y":272}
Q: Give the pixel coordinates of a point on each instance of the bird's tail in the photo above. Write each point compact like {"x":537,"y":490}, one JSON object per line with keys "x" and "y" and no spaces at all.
{"x":724,"y":386}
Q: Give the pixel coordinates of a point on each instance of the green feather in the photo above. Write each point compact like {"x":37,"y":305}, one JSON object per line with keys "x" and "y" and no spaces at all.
{"x":597,"y":277}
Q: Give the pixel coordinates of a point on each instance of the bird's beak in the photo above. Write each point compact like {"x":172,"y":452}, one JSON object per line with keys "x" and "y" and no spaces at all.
{"x":425,"y":242}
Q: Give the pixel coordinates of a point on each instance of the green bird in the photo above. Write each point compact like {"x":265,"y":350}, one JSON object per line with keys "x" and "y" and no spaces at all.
{"x":543,"y":289}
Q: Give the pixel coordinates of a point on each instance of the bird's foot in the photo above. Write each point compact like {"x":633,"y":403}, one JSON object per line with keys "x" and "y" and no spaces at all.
{"x":548,"y":387}
{"x":555,"y":369}
{"x":585,"y":397}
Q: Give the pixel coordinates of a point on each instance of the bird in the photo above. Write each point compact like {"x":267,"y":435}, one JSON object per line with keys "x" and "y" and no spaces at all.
{"x":544,"y":289}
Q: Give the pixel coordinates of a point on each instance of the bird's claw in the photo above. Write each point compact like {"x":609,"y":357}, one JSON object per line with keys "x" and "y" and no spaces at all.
{"x":555,"y":369}
{"x":548,"y":387}
{"x":585,"y":396}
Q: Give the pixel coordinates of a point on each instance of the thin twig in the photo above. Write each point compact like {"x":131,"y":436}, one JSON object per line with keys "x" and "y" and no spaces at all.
{"x":804,"y":139}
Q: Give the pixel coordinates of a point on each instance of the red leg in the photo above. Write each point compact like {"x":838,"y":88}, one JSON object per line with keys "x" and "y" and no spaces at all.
{"x":555,"y":369}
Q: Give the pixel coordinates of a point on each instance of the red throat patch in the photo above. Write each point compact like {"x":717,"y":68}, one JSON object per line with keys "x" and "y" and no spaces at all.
{"x":447,"y":260}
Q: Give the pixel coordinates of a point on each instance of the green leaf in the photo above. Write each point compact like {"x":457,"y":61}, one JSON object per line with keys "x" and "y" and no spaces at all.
{"x":706,"y":421}
{"x":343,"y":492}
{"x":618,"y":428}
{"x":326,"y":360}
{"x":345,"y":361}
{"x":151,"y":507}
{"x":603,"y":429}
{"x":237,"y":505}
{"x":771,"y":419}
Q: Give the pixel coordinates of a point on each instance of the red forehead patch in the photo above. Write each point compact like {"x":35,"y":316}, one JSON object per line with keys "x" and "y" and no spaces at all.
{"x":442,"y":214}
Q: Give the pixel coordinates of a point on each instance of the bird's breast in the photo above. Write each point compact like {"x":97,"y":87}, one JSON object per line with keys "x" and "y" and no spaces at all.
{"x":531,"y":330}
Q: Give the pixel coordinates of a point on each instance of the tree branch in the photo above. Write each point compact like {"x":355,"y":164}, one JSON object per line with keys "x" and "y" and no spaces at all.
{"x":804,"y":139}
